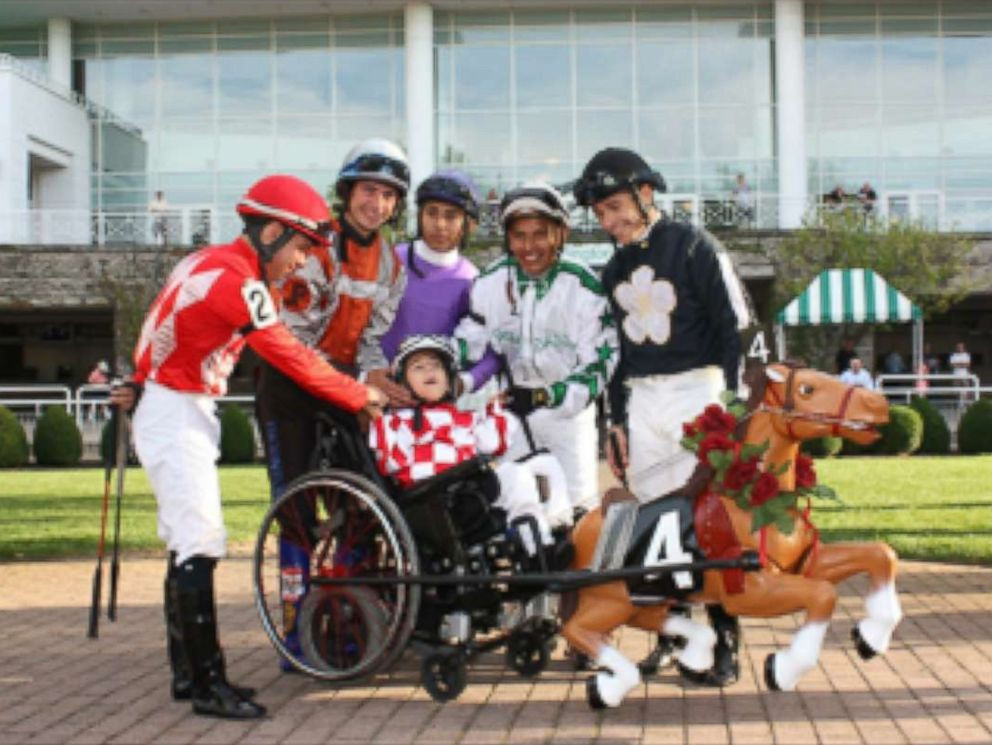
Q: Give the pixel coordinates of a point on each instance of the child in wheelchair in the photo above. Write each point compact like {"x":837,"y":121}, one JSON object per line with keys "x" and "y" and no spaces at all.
{"x":416,"y":443}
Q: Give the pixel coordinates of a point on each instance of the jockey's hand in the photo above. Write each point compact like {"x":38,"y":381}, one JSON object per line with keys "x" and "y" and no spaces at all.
{"x":523,"y":401}
{"x":617,"y":466}
{"x":398,"y":395}
{"x":377,"y":400}
{"x":124,"y":395}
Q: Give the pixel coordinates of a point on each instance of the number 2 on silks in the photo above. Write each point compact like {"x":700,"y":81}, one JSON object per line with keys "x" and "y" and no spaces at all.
{"x":666,"y":548}
{"x":260,"y":307}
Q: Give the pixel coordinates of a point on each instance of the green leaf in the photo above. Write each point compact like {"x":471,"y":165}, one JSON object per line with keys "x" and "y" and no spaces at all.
{"x":823,"y":492}
{"x":786,"y":524}
{"x":690,"y":443}
{"x":751,"y":450}
{"x":727,"y":398}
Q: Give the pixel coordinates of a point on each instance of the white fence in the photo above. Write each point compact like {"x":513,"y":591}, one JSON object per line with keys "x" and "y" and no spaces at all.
{"x":87,"y":404}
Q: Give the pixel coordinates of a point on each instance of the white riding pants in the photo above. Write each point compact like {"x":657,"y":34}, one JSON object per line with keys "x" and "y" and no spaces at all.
{"x":574,"y":442}
{"x":177,"y":436}
{"x":657,"y":407}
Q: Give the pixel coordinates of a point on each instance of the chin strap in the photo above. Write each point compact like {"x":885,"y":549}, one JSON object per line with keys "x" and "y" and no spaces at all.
{"x":266,"y":251}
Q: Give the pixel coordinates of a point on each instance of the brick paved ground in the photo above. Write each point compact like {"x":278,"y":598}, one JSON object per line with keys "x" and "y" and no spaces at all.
{"x":56,"y":686}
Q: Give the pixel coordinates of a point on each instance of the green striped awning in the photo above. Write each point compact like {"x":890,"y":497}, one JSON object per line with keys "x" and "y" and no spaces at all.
{"x":848,"y":296}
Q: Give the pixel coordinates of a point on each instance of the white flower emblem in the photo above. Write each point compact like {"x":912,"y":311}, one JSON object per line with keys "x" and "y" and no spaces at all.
{"x":649,"y":303}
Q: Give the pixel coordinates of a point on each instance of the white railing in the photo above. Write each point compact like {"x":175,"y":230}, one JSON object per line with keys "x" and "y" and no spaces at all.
{"x":962,"y":389}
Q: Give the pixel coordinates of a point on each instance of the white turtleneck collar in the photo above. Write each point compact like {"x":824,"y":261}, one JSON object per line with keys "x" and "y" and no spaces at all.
{"x":437,"y":258}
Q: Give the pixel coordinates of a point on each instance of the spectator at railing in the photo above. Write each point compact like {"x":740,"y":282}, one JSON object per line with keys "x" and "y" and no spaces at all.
{"x":867,"y":197}
{"x":932,"y":360}
{"x":894,"y":364}
{"x":857,"y":376}
{"x":960,"y":363}
{"x":844,"y":355}
{"x":158,"y":210}
{"x":743,"y":200}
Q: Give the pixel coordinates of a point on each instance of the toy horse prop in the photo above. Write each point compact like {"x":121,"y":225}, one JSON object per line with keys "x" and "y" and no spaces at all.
{"x":788,"y":404}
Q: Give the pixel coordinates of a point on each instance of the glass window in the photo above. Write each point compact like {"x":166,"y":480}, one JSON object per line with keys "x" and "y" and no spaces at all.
{"x":544,"y":137}
{"x":481,"y":27}
{"x":244,"y":143}
{"x":734,"y":132}
{"x":666,"y":72}
{"x":728,"y":72}
{"x":478,"y":139}
{"x":482,"y":77}
{"x":909,"y":70}
{"x":848,"y":131}
{"x":846,"y":70}
{"x":122,"y":84}
{"x":667,"y":134}
{"x":364,"y":80}
{"x":967,"y":62}
{"x":186,"y":145}
{"x":544,"y":75}
{"x":540,"y":25}
{"x":599,"y":129}
{"x":303,"y":81}
{"x":600,"y":25}
{"x":604,"y":74}
{"x":665,"y":23}
{"x":303,"y":142}
{"x":910,"y":131}
{"x":966,"y":131}
{"x":187,"y":85}
{"x":244,"y":82}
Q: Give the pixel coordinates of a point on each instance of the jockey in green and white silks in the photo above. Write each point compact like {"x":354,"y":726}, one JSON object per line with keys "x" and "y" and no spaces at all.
{"x":548,"y":316}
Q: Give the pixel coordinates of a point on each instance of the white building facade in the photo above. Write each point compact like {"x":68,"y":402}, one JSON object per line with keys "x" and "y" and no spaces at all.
{"x":795,"y":97}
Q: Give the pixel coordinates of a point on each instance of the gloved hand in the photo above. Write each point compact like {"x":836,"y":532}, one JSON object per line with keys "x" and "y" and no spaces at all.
{"x":522,"y":401}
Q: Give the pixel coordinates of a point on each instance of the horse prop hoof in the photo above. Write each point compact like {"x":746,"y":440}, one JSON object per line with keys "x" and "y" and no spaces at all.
{"x":865,"y":650}
{"x":770,"y":679}
{"x":592,"y":694}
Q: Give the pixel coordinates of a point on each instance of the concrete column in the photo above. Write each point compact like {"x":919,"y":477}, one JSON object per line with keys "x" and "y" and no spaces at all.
{"x":60,"y":51}
{"x":790,"y":117}
{"x":418,"y":23}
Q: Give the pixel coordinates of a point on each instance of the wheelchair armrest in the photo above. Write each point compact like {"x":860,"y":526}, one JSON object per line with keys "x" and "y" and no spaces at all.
{"x":464,"y":470}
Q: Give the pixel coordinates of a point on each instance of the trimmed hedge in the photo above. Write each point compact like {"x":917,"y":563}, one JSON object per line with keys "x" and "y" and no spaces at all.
{"x":237,"y":440}
{"x":14,"y":449}
{"x":57,"y":440}
{"x":936,"y":434}
{"x":975,"y":428}
{"x":902,"y":434}
{"x":822,"y":447}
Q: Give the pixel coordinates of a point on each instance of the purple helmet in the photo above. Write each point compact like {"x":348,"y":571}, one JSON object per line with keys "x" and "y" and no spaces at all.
{"x":451,"y":187}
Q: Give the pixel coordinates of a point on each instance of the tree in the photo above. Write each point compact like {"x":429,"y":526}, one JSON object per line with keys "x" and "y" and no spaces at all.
{"x":929,"y":267}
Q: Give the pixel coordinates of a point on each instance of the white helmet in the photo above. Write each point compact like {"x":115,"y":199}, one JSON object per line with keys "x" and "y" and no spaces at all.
{"x":535,"y":198}
{"x":376,"y":160}
{"x":436,"y":343}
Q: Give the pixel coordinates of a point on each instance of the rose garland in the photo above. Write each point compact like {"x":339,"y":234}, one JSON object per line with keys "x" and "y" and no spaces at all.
{"x":739,"y":473}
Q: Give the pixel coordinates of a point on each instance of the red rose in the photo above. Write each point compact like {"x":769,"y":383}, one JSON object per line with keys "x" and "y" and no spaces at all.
{"x":805,"y":473}
{"x":765,"y":488}
{"x":715,"y":419}
{"x":714,"y":441}
{"x":740,"y":474}
{"x":689,"y":430}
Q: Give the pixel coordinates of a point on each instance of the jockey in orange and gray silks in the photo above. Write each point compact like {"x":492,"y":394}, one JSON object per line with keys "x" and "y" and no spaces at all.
{"x":344,"y":299}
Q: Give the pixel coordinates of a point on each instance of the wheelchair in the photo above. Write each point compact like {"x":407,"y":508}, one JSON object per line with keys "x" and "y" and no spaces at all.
{"x":429,"y":567}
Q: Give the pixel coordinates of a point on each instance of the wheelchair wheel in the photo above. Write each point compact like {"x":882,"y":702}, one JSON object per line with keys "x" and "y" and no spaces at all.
{"x":528,"y":653}
{"x":335,"y":524}
{"x":444,"y":675}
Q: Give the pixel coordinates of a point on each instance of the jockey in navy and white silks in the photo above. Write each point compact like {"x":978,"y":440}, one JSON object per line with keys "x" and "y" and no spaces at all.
{"x":550,"y":319}
{"x":679,"y":307}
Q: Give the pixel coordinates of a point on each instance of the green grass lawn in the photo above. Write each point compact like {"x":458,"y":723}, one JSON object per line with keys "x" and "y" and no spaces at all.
{"x":925,"y":507}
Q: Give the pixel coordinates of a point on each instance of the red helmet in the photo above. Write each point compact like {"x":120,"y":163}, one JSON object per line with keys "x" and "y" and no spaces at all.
{"x":291,"y":201}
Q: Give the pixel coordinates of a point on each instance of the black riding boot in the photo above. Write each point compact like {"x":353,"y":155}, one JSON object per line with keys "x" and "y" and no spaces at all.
{"x":182,"y":678}
{"x":663,"y":654}
{"x":211,"y":694}
{"x":726,"y":667}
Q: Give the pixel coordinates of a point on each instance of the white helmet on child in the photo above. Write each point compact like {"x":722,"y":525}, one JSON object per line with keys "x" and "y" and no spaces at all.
{"x":439,"y":345}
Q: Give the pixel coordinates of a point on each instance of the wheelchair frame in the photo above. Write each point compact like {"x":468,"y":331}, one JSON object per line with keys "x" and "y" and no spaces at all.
{"x":369,"y":595}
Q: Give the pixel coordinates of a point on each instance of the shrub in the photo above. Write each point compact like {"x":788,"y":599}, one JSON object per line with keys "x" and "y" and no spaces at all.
{"x":902,"y":434}
{"x":57,"y":441}
{"x":237,"y":440}
{"x":13,"y":442}
{"x":936,"y":435}
{"x":822,"y":447}
{"x":975,"y":428}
